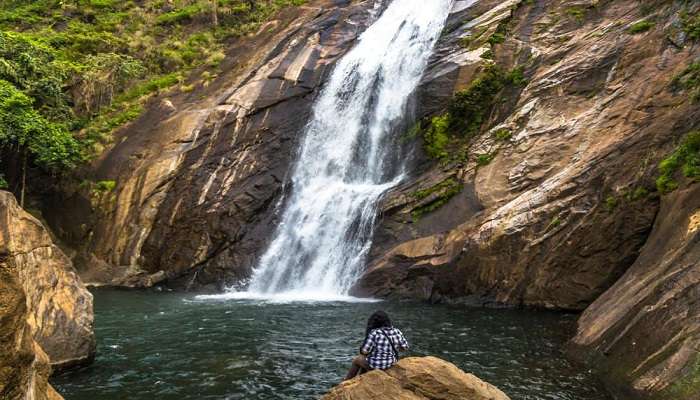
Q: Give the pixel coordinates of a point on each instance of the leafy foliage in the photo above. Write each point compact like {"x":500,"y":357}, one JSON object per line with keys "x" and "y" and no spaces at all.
{"x":72,"y":71}
{"x":685,"y":158}
{"x":51,"y":145}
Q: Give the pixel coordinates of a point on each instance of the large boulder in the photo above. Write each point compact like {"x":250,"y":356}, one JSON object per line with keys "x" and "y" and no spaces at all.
{"x":59,"y":307}
{"x":417,"y":378}
{"x":24,"y":367}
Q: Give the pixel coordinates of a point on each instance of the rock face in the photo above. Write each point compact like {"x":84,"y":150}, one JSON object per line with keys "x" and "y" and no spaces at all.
{"x":417,"y":378}
{"x":554,"y":210}
{"x":645,"y":331}
{"x":58,"y":310}
{"x":197,"y":184}
{"x":24,"y":367}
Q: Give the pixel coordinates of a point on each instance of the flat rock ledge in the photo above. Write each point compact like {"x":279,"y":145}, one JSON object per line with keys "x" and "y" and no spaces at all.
{"x":417,"y":378}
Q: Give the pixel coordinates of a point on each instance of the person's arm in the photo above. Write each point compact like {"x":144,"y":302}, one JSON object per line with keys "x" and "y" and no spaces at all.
{"x":368,"y":345}
{"x":403,"y":343}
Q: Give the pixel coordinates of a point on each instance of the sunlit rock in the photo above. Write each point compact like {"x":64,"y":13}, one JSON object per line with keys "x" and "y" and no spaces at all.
{"x":417,"y":378}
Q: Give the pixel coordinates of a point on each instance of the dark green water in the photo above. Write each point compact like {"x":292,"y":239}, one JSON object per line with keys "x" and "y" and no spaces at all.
{"x":172,"y":346}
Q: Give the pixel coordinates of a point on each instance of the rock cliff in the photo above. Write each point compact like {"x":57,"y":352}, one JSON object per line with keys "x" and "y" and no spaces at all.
{"x":58,"y":307}
{"x":417,"y":378}
{"x":24,"y":367}
{"x":555,"y":196}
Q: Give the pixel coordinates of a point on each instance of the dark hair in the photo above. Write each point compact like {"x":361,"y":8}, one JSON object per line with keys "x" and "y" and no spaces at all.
{"x":379,"y":319}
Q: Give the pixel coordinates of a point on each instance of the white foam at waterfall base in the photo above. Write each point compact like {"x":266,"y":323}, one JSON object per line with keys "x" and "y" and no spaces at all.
{"x":287,"y":297}
{"x":347,"y":160}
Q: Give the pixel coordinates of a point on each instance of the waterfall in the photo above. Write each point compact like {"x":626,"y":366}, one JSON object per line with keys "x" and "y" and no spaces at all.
{"x":345,"y":160}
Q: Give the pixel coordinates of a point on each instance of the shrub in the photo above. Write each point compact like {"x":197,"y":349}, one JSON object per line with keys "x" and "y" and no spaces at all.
{"x":640,"y":27}
{"x":503,"y":134}
{"x":691,"y":25}
{"x":685,"y":158}
{"x":485,"y":159}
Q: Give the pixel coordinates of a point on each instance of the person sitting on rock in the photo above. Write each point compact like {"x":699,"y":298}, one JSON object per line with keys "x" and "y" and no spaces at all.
{"x":381,"y":347}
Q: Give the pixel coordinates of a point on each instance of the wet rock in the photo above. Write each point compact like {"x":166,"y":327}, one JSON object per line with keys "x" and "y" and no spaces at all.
{"x":59,"y":311}
{"x":644,"y":332}
{"x":419,"y":378}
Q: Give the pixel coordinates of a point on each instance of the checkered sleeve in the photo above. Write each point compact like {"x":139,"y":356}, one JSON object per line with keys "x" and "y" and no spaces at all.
{"x":369,"y":343}
{"x":403,"y":343}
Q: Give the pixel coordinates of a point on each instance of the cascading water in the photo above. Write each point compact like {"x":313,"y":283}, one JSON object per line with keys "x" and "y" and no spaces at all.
{"x":325,"y":231}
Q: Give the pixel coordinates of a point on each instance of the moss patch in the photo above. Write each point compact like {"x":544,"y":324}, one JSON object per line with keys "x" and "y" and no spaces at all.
{"x":640,"y":27}
{"x":689,"y":80}
{"x":442,"y":193}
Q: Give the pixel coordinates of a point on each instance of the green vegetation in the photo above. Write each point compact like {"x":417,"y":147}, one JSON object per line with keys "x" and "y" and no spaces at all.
{"x":470,"y":107}
{"x":686,"y":158}
{"x":629,"y":196}
{"x":49,"y":144}
{"x":691,"y":25}
{"x":637,"y":194}
{"x":3,"y":182}
{"x":443,"y":192}
{"x":640,"y":27}
{"x":469,"y":110}
{"x":556,"y":221}
{"x":73,"y":71}
{"x":503,"y":135}
{"x":436,"y":137}
{"x":689,"y":80}
{"x":577,"y":13}
{"x":485,"y":159}
{"x":611,"y":203}
{"x":487,"y":55}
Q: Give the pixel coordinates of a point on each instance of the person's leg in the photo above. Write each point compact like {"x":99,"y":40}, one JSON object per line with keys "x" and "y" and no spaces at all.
{"x":358,"y":364}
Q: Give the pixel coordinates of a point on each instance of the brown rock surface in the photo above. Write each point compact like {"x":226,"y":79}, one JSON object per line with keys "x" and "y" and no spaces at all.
{"x":24,"y":367}
{"x":59,"y":307}
{"x":417,"y":378}
{"x":644,"y":332}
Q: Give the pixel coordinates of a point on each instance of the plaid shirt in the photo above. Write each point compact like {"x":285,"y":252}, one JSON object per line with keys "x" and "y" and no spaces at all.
{"x":380,"y":354}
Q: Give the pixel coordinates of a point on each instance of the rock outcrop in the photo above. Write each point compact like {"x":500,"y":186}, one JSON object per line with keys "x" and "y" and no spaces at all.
{"x":644,"y":332}
{"x":58,"y":306}
{"x":417,"y":378}
{"x":24,"y":367}
{"x":555,"y":197}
